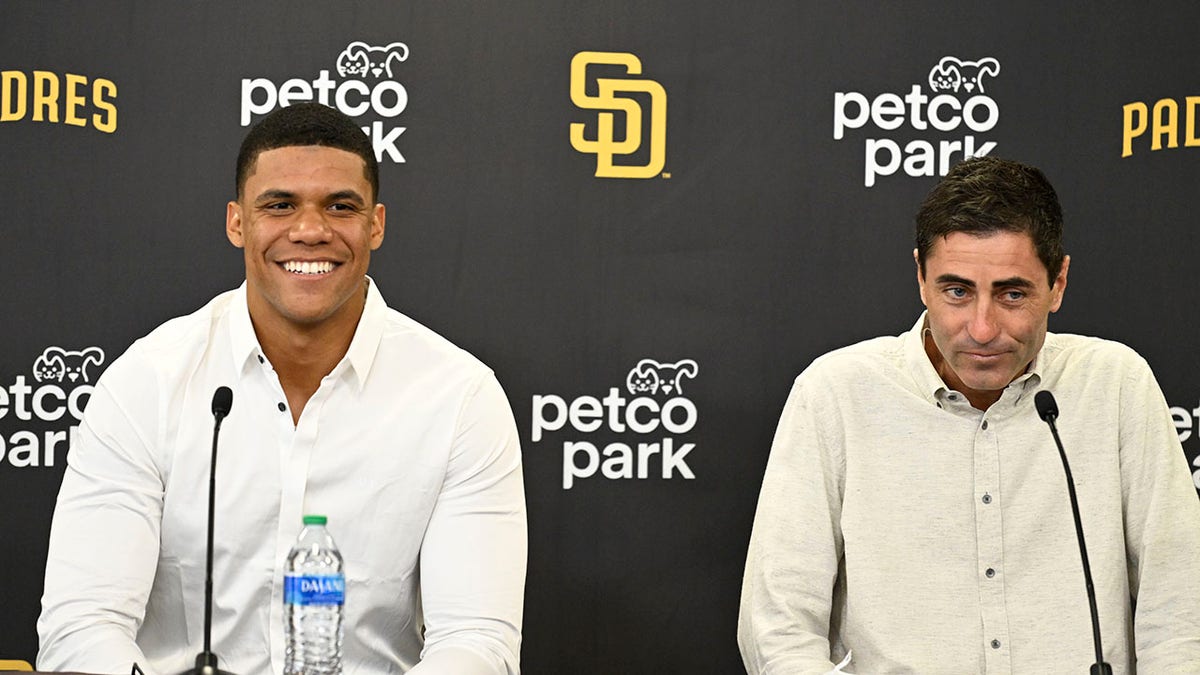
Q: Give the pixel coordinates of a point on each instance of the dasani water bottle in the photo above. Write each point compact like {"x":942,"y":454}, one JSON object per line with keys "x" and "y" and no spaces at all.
{"x":313,"y":594}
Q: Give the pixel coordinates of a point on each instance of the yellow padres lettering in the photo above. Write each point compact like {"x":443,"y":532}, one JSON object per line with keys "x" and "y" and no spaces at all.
{"x":44,"y":96}
{"x":605,"y":146}
{"x":1163,"y":122}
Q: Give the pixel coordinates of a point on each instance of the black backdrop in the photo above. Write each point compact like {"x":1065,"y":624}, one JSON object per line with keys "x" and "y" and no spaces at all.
{"x":756,"y":246}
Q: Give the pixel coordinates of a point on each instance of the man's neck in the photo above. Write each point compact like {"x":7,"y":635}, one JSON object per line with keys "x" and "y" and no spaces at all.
{"x":304,"y":354}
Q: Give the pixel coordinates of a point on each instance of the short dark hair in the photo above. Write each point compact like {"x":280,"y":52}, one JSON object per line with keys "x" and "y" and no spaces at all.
{"x":985,"y":195}
{"x":306,"y":124}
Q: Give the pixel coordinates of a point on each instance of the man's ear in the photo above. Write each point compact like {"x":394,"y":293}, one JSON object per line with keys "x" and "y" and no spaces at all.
{"x":378,"y":225}
{"x":1060,"y":285}
{"x":233,"y":224}
{"x":920,"y":278}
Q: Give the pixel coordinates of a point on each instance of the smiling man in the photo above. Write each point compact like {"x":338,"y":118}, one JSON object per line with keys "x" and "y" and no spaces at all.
{"x":914,"y":517}
{"x":342,"y":407}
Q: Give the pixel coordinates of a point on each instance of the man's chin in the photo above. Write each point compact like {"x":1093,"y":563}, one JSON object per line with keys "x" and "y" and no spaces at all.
{"x":986,"y":384}
{"x":303,"y":315}
{"x":985,"y":379}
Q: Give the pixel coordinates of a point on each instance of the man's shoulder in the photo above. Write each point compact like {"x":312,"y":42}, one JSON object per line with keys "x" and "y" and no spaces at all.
{"x":173,"y":340}
{"x":875,"y":355}
{"x":406,"y":339}
{"x":177,"y":341}
{"x":867,"y":375}
{"x":1063,"y":350}
{"x":873,"y":369}
{"x":195,"y":327}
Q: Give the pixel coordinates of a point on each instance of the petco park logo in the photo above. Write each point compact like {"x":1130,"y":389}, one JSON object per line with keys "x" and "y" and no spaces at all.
{"x":605,"y":145}
{"x":958,"y":100}
{"x":657,"y":411}
{"x":62,"y":386}
{"x":369,"y":87}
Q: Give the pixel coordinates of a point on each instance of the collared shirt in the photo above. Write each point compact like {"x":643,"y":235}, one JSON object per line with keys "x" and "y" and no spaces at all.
{"x":925,"y":536}
{"x":408,"y":446}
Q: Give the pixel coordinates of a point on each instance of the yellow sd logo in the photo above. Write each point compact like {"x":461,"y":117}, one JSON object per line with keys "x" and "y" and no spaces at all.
{"x":605,"y":146}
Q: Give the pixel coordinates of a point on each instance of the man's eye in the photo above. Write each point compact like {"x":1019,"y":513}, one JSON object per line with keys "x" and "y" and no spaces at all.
{"x":277,"y":206}
{"x":956,"y":292}
{"x":1014,"y":296}
{"x":342,"y":207}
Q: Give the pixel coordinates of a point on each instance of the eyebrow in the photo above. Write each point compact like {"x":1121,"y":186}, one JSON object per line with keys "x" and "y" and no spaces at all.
{"x":350,"y":195}
{"x":273,"y":194}
{"x":1011,"y":282}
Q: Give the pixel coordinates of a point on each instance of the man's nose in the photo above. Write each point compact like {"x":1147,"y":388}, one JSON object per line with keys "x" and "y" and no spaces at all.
{"x":984,"y":325}
{"x":310,"y":226}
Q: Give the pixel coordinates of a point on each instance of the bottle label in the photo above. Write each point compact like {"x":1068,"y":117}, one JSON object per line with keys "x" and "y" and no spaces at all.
{"x":324,"y":589}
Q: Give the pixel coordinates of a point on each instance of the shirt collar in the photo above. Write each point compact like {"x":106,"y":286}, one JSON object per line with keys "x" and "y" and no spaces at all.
{"x":359,"y":357}
{"x":927,"y":379}
{"x":931,"y":384}
{"x":242,"y":340}
{"x":365,"y":344}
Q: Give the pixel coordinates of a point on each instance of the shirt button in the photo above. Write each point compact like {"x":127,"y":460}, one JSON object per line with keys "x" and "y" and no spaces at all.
{"x":282,"y":407}
{"x":990,"y":573}
{"x":261,"y":359}
{"x":953,"y":397}
{"x":985,"y":425}
{"x":995,"y":644}
{"x":987,"y":499}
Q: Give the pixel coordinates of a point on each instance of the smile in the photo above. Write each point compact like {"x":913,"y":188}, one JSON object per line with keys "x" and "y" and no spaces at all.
{"x":299,"y":267}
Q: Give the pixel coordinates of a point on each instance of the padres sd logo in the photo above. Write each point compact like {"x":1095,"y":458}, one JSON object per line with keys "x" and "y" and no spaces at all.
{"x":605,"y":145}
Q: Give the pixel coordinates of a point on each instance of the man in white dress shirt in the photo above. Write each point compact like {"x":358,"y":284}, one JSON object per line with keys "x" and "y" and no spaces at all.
{"x":914,"y":516}
{"x":342,"y":407}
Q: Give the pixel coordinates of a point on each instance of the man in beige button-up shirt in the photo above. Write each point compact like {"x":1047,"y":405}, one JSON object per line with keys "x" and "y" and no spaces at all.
{"x":914,"y":515}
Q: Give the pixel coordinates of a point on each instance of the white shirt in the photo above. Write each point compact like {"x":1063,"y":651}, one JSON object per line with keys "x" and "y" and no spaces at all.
{"x":926,"y":536}
{"x":408,"y":446}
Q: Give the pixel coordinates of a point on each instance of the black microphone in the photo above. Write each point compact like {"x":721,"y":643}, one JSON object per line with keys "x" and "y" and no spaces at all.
{"x":206,"y":661}
{"x":1044,"y":401}
{"x":222,"y":402}
{"x":1047,"y":409}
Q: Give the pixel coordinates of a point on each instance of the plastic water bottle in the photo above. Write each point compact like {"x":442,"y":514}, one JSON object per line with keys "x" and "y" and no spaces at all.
{"x":314,"y":590}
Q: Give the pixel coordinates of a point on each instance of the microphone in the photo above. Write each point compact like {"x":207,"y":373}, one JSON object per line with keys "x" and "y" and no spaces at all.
{"x":221,"y":403}
{"x":206,"y":661}
{"x":1047,"y":409}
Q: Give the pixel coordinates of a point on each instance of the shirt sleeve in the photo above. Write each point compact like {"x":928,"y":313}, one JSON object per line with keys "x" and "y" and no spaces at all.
{"x":104,"y":537}
{"x":1162,"y":530}
{"x":473,"y":556}
{"x":795,"y":548}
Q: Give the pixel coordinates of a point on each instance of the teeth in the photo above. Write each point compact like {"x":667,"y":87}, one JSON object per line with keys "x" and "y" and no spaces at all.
{"x":298,"y":267}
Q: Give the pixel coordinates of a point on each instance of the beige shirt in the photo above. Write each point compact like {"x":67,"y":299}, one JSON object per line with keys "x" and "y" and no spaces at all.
{"x":926,"y":536}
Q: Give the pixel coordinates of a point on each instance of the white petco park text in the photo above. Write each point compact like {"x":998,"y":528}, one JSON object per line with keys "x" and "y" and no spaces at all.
{"x":641,"y":415}
{"x":387,"y":98}
{"x":888,"y":111}
{"x":48,"y":403}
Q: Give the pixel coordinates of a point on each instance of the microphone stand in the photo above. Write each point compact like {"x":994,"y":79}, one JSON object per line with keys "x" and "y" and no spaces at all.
{"x":1048,"y":410}
{"x":206,"y":661}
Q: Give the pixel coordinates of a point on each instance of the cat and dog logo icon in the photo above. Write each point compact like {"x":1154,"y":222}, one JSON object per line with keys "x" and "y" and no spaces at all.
{"x":651,"y":377}
{"x":954,"y":74}
{"x":67,"y":366}
{"x":358,"y":59}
